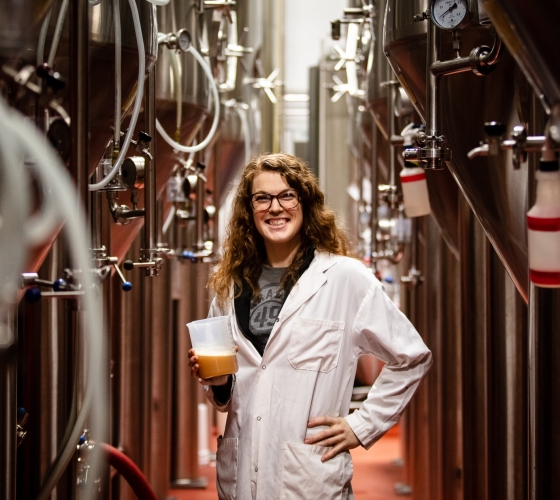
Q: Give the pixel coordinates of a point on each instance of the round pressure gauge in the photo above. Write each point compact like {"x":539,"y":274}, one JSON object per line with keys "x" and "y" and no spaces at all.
{"x":451,"y":14}
{"x":183,"y":40}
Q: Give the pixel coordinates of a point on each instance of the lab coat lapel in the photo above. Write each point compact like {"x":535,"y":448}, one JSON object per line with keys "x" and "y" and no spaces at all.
{"x":307,"y":286}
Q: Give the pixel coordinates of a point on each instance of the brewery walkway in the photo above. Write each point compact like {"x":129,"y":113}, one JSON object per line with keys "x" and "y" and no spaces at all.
{"x":374,"y":473}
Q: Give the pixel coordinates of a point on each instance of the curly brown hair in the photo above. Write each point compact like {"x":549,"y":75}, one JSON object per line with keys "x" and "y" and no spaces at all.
{"x":243,"y":249}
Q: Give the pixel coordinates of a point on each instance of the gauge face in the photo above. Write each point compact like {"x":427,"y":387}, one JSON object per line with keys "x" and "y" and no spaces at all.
{"x":184,"y":40}
{"x":449,"y":14}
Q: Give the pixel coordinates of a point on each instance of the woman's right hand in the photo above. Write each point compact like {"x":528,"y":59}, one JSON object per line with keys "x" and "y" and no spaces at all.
{"x":193,"y":363}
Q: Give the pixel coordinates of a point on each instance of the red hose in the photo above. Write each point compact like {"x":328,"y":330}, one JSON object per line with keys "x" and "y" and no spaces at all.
{"x":130,"y":471}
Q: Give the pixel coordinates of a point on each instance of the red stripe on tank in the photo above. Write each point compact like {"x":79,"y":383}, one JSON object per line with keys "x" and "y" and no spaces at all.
{"x":544,"y":277}
{"x":542,"y":224}
{"x":413,"y":178}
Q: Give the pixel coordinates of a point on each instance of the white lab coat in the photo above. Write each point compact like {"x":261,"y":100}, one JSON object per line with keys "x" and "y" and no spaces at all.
{"x":334,"y":314}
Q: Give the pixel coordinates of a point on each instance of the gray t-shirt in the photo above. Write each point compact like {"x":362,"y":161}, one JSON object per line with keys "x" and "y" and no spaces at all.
{"x":263,"y":313}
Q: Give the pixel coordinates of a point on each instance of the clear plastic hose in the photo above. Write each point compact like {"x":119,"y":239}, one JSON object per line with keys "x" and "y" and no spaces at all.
{"x":210,"y":136}
{"x":137,"y":102}
{"x":176,"y":68}
{"x":57,"y":184}
{"x":14,"y":205}
{"x":57,"y":32}
{"x":43,"y":38}
{"x":42,"y":225}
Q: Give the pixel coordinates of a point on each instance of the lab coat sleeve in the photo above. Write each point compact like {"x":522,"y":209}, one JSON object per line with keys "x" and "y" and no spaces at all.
{"x":221,"y":406}
{"x":380,"y":328}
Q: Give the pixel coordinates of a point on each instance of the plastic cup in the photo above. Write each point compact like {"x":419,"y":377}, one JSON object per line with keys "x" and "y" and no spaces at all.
{"x":212,"y":341}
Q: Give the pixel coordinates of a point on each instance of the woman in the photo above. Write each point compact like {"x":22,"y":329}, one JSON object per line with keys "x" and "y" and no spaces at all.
{"x":304,"y":313}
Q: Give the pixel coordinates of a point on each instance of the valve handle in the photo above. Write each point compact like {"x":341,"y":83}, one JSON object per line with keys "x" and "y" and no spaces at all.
{"x":128,"y":265}
{"x":126,"y":285}
{"x":59,"y":284}
{"x":52,"y":79}
{"x":22,"y":415}
{"x":144,"y":137}
{"x":494,"y":129}
{"x":33,"y":295}
{"x":188,"y":255}
{"x":32,"y":279}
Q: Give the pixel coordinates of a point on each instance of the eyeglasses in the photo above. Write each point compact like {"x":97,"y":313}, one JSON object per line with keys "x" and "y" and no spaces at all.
{"x":286,"y":199}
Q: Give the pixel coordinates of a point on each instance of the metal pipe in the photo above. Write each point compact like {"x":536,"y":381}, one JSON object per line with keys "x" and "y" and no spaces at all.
{"x":531,"y":144}
{"x":491,"y":58}
{"x":200,"y":195}
{"x":432,"y":82}
{"x":391,"y":95}
{"x":532,"y":355}
{"x":121,"y":213}
{"x":185,"y":471}
{"x":8,"y":389}
{"x":373,"y":181}
{"x":118,"y":70}
{"x":146,"y":405}
{"x":480,"y":61}
{"x":95,"y":217}
{"x":79,"y":92}
{"x":454,"y":66}
{"x":149,"y":249}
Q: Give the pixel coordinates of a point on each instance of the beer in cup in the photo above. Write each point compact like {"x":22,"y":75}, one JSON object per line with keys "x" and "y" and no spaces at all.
{"x":212,"y":341}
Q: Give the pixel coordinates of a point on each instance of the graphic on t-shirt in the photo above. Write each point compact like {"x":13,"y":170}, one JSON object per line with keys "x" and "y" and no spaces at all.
{"x":265,"y":313}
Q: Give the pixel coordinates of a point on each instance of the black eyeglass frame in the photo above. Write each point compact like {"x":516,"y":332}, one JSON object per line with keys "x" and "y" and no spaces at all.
{"x":272,"y":196}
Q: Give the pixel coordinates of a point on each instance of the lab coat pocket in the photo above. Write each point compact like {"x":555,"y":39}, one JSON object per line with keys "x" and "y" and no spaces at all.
{"x":304,"y":476}
{"x":226,"y":468}
{"x":315,"y":344}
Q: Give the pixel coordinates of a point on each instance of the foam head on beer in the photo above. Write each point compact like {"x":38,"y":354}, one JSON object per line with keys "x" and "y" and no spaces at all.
{"x":212,"y":341}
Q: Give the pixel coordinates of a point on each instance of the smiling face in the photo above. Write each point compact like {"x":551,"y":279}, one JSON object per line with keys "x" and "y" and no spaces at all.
{"x":279,"y":227}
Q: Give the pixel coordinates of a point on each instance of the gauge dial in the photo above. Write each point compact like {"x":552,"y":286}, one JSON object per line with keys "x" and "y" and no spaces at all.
{"x":184,"y":39}
{"x":450,"y":14}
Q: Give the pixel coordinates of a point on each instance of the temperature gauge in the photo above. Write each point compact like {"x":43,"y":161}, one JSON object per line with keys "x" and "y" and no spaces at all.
{"x":183,"y":39}
{"x":451,"y":14}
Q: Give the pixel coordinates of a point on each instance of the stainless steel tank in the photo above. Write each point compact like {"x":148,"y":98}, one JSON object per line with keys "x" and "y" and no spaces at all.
{"x":494,"y":190}
{"x":49,"y":352}
{"x":379,"y":73}
{"x":230,"y":151}
{"x":101,"y":82}
{"x":477,"y":463}
{"x":19,"y":24}
{"x":194,"y":85}
{"x":529,"y":31}
{"x":102,"y":64}
{"x":407,"y":46}
{"x":194,"y":95}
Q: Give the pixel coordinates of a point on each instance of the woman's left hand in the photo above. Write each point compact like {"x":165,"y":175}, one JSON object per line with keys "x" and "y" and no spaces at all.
{"x":339,"y":435}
